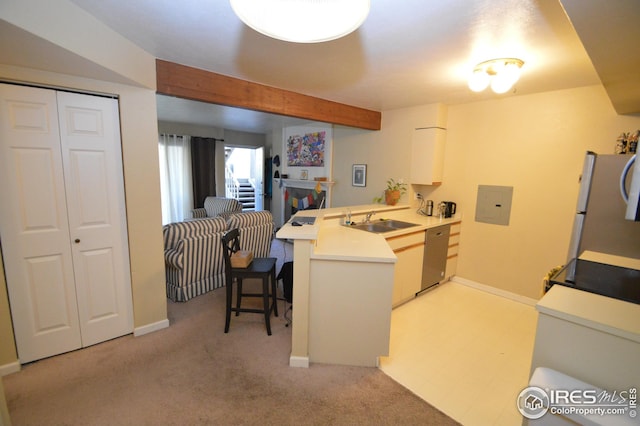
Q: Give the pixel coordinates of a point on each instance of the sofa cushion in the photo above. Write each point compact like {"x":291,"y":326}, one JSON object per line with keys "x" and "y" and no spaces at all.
{"x":256,"y":231}
{"x":174,"y":232}
{"x":215,"y":206}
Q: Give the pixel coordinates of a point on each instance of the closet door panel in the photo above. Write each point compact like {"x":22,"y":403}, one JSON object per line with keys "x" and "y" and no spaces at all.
{"x":46,"y":288}
{"x":96,"y":272}
{"x":39,"y":202}
{"x":91,"y":153}
{"x":33,"y":225}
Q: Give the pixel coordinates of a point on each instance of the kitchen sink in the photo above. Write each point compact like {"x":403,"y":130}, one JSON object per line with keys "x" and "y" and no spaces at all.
{"x":397,"y":224}
{"x":382,"y":226}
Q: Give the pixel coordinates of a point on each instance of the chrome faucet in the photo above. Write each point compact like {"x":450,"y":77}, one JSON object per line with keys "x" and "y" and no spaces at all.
{"x":367,"y":218}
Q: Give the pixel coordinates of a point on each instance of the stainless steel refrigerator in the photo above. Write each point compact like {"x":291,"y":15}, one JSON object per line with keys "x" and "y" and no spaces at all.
{"x":600,"y":223}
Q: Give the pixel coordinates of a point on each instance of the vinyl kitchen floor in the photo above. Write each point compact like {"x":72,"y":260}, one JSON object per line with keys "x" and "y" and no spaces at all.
{"x":465,"y":351}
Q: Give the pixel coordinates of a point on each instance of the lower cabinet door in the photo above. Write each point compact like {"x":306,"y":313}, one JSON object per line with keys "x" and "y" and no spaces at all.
{"x":408,"y":273}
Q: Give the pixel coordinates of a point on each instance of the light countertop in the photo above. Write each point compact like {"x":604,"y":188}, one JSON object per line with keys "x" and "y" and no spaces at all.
{"x":336,"y":242}
{"x":598,"y":312}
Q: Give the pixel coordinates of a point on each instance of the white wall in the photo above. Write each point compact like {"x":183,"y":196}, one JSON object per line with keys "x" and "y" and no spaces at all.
{"x":387,"y":153}
{"x":295,"y":172}
{"x":77,"y":43}
{"x":534,"y":143}
{"x":107,"y":53}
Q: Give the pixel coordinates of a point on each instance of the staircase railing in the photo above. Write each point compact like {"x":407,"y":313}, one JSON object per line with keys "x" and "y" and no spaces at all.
{"x":231,"y":184}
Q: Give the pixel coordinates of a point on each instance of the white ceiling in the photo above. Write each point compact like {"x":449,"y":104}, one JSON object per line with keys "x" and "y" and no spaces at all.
{"x":408,"y":52}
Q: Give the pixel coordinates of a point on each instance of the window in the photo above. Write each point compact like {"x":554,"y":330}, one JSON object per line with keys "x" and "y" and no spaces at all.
{"x":175,"y":177}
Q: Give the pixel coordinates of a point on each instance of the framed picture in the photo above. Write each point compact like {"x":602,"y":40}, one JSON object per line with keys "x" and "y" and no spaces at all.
{"x":359,"y":175}
{"x":304,"y":174}
{"x":306,"y":149}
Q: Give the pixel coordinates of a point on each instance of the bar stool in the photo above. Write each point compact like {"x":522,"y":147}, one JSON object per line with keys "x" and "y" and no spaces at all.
{"x":263,"y":268}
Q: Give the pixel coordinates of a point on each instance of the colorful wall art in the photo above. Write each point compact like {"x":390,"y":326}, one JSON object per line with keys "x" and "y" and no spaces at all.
{"x":306,"y":150}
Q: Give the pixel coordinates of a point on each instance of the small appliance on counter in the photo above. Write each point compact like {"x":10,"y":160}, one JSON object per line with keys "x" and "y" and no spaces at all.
{"x":447,"y":209}
{"x":429,"y":207}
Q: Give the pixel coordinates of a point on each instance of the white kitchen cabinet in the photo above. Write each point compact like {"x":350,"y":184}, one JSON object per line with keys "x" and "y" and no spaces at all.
{"x":588,"y":336}
{"x":409,"y":249}
{"x":349,"y":316}
{"x":452,"y":252}
{"x":427,"y":155}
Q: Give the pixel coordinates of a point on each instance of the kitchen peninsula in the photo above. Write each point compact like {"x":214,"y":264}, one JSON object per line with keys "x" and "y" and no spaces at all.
{"x":343,"y":283}
{"x":591,"y":337}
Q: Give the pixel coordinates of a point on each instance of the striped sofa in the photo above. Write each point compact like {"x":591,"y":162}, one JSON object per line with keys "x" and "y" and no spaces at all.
{"x":194,"y":262}
{"x":217,"y":206}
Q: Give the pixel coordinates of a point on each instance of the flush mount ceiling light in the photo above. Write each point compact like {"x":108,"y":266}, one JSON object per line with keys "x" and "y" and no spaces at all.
{"x":501,"y":73}
{"x":302,"y":21}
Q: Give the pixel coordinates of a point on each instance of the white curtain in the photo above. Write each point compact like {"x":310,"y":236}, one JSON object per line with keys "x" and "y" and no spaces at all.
{"x":175,"y":178}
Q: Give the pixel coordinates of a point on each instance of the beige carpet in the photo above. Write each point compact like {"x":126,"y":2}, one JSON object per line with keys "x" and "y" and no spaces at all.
{"x":193,"y":374}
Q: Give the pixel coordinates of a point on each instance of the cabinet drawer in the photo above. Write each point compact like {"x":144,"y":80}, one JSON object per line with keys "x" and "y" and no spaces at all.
{"x":455,"y":228}
{"x":454,"y":240}
{"x":403,"y":241}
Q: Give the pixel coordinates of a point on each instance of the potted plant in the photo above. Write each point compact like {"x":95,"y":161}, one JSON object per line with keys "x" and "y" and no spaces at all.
{"x":395,"y":189}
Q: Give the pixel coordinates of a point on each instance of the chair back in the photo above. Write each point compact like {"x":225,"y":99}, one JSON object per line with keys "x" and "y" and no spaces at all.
{"x":230,"y":244}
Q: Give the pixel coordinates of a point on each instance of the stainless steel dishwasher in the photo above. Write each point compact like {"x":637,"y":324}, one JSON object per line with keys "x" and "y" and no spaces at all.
{"x":435,"y":256}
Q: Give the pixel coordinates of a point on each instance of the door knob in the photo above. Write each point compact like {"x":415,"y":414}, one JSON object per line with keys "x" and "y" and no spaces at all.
{"x":77,"y":240}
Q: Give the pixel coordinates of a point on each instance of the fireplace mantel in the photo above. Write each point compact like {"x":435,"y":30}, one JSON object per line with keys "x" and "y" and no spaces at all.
{"x":305,"y":184}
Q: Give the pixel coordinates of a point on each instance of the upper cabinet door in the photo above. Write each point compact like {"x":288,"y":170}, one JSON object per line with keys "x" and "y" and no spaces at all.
{"x":427,"y":155}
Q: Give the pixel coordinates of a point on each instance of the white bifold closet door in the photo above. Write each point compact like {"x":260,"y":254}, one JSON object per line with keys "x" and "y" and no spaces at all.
{"x":63,"y":220}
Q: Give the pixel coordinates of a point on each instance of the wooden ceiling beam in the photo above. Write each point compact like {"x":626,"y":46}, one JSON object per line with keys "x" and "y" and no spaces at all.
{"x":200,"y":85}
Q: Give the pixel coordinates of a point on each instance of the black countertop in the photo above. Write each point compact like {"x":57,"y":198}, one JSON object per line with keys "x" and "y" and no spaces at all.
{"x":600,"y":278}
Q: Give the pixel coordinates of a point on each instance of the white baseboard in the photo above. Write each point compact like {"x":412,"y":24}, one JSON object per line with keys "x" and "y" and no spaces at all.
{"x":496,"y":291}
{"x":299,"y":361}
{"x":150,"y":328}
{"x":10,"y":368}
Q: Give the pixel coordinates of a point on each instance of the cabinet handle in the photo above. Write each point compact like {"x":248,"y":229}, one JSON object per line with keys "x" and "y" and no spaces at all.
{"x":77,"y":240}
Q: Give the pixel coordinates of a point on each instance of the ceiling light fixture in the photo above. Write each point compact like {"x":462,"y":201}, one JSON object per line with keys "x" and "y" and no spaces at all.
{"x":302,"y":21}
{"x":501,"y":73}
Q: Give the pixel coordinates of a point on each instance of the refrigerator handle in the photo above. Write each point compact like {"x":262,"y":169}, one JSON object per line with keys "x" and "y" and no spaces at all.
{"x":585,"y":181}
{"x":623,"y":179}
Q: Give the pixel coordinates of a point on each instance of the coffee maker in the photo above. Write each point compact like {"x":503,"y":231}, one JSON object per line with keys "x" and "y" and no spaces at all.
{"x":447,"y":209}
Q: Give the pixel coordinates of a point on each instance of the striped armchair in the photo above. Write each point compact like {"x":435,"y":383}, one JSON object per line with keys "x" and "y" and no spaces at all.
{"x":217,"y":206}
{"x":194,"y":262}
